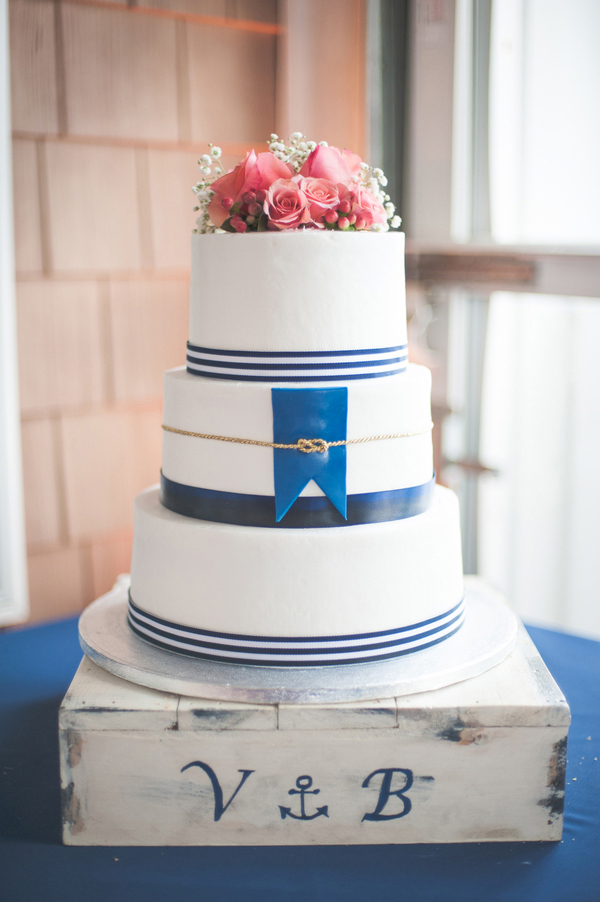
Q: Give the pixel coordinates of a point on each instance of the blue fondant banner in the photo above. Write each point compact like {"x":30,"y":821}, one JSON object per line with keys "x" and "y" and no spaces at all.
{"x":309,"y":413}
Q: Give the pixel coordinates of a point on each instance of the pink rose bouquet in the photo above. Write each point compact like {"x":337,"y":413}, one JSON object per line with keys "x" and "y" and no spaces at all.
{"x":302,"y":185}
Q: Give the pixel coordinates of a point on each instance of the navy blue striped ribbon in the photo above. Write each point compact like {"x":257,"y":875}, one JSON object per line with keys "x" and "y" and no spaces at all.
{"x":297,"y":651}
{"x":296,"y":366}
{"x":306,"y":512}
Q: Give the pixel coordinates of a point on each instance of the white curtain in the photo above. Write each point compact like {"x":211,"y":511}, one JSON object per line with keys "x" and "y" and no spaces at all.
{"x":539,"y":519}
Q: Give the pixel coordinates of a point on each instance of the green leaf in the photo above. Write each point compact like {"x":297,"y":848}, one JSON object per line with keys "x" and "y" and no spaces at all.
{"x":227,"y":227}
{"x":262,"y":223}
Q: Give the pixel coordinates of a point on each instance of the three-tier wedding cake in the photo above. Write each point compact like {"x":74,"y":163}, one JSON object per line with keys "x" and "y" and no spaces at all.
{"x":297,"y":522}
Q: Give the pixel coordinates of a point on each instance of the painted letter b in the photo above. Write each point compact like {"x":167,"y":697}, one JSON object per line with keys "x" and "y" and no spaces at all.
{"x":386,"y":792}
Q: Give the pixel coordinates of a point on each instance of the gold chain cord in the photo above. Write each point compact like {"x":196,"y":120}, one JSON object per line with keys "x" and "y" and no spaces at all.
{"x":308,"y":445}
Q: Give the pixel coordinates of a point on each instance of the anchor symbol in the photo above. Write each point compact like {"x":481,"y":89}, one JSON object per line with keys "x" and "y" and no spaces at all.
{"x":303,"y":783}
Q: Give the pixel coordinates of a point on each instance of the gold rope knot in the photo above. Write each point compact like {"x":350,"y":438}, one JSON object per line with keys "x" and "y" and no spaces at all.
{"x":308,"y":445}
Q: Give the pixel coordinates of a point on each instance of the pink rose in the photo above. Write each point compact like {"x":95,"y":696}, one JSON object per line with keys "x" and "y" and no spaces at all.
{"x":254,"y":173}
{"x":321,"y":195}
{"x":270,"y":169}
{"x":327,"y":163}
{"x":367,"y":208}
{"x":286,"y":205}
{"x":352,"y":160}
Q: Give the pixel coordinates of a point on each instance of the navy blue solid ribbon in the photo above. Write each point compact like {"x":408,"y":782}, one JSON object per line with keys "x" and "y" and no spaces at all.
{"x":307,"y":512}
{"x":309,"y":413}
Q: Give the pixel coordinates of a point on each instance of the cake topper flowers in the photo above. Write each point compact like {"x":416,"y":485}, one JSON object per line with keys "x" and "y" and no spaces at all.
{"x":301,"y":185}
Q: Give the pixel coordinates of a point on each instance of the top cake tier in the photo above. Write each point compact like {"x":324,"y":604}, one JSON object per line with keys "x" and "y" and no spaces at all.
{"x":297,"y":291}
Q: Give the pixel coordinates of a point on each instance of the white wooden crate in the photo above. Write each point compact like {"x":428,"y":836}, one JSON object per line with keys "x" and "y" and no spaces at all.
{"x":483,"y":760}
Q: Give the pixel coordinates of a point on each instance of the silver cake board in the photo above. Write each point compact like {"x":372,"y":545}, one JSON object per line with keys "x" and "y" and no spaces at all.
{"x":486,"y":638}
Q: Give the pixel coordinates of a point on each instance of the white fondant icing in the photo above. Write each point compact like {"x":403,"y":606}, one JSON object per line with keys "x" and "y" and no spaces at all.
{"x":243,"y":410}
{"x":298,"y":291}
{"x":296,"y":582}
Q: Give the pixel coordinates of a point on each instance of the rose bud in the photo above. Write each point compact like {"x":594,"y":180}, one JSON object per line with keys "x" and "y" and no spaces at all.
{"x":343,"y":223}
{"x":344,"y":207}
{"x":360,"y":223}
{"x":227,"y":203}
{"x":261,"y":196}
{"x":249,"y":196}
{"x":352,"y":218}
{"x":331,"y":216}
{"x":254,"y":209}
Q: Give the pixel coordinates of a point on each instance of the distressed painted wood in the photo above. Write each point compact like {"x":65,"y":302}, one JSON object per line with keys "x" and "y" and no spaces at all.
{"x":483,"y":760}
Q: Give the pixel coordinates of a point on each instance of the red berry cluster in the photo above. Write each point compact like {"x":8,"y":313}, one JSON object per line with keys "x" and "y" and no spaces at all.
{"x":343,"y":217}
{"x":246,"y":214}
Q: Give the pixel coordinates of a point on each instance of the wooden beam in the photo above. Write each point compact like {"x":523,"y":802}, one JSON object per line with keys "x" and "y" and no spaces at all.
{"x":215,"y":21}
{"x":471,"y":268}
{"x":570,"y":272}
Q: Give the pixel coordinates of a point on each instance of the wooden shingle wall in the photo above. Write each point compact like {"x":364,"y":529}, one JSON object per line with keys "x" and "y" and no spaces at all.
{"x":112,"y":104}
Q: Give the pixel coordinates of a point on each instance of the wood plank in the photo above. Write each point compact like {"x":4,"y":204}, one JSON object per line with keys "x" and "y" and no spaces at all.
{"x":149,"y":327}
{"x":109,"y":559}
{"x":249,"y":11}
{"x":518,"y":692}
{"x":470,"y":267}
{"x":234,"y":149}
{"x":372,"y":715}
{"x":58,"y":583}
{"x":97,"y":468}
{"x":224,"y":12}
{"x":120,"y":73}
{"x":60,"y":352}
{"x":568,"y":272}
{"x":132,"y":791}
{"x":93,"y":207}
{"x":232,"y":84}
{"x":171,"y":199}
{"x":108,"y":458}
{"x":26,"y":205}
{"x":200,"y":715}
{"x":253,"y":10}
{"x":210,"y":8}
{"x":97,"y":700}
{"x":41,"y":485}
{"x":126,"y":275}
{"x":570,"y":276}
{"x":427,"y":199}
{"x":33,"y":66}
{"x":321,"y":81}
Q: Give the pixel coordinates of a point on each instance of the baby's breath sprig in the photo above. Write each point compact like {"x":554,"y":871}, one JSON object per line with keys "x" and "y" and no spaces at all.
{"x":297,"y":150}
{"x":212,"y":169}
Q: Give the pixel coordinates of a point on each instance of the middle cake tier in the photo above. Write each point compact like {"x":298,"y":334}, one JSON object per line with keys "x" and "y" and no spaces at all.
{"x":395,"y":405}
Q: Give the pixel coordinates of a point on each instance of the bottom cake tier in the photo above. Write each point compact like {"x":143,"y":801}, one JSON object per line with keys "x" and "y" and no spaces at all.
{"x":296,"y":596}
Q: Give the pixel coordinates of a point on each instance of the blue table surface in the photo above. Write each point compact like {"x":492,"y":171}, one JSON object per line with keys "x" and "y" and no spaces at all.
{"x":36,"y":667}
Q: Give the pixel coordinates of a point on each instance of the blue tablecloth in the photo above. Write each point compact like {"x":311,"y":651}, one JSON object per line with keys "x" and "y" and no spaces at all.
{"x":36,"y":667}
